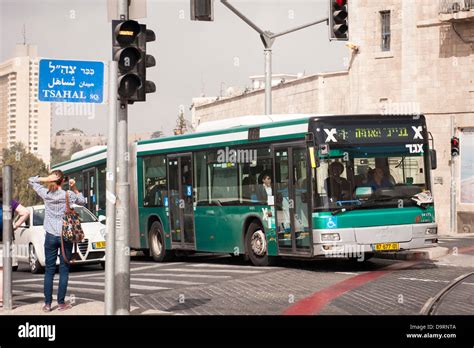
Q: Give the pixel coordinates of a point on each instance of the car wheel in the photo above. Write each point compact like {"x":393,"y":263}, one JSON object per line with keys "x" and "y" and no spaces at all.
{"x":257,"y":246}
{"x":35,"y":266}
{"x":14,"y":268}
{"x":156,"y":242}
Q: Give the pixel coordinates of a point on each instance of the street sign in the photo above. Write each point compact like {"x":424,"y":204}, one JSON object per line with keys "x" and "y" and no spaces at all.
{"x":71,"y":81}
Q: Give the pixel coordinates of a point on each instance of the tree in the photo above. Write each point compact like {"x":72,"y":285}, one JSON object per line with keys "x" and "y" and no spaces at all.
{"x":75,"y":147}
{"x":24,"y":165}
{"x":157,"y":134}
{"x":57,"y":156}
{"x":182,"y":125}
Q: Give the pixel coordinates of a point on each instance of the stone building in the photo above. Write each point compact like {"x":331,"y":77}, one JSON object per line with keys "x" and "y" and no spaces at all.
{"x":407,"y":57}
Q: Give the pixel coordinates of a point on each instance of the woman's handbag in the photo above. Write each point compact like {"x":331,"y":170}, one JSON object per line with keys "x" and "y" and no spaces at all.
{"x":72,"y":230}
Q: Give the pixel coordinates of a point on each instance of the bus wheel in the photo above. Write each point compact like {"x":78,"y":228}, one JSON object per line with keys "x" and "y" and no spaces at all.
{"x":157,"y":242}
{"x":256,"y":244}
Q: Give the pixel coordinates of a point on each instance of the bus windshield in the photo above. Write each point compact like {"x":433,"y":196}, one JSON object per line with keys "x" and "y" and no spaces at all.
{"x":371,"y":176}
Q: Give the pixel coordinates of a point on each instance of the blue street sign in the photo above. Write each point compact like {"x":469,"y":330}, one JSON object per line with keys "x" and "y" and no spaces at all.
{"x":71,"y":81}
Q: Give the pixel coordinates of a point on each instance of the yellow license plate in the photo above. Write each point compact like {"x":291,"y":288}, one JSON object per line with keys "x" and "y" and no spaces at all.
{"x":387,"y":246}
{"x":99,"y":245}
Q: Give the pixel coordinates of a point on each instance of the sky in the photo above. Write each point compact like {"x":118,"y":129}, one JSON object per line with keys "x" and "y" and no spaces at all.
{"x":193,"y":58}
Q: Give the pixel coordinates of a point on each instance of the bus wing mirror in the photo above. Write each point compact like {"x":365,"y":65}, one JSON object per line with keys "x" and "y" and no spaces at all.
{"x":433,"y":159}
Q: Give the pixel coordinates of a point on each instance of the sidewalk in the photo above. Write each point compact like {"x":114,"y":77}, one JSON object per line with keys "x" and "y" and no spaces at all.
{"x":87,"y":308}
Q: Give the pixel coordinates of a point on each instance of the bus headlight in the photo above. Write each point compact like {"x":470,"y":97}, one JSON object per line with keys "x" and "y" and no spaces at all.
{"x":433,"y":230}
{"x":330,"y":237}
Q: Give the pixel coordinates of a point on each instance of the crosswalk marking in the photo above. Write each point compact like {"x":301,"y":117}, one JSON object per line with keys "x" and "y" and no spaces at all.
{"x":85,"y":275}
{"x":425,"y":280}
{"x":132,"y":286}
{"x":155,"y":266}
{"x":166,"y":281}
{"x":72,"y":289}
{"x":22,"y":295}
{"x":210,"y":270}
{"x":28,"y":280}
{"x":210,"y":276}
{"x":210,"y":265}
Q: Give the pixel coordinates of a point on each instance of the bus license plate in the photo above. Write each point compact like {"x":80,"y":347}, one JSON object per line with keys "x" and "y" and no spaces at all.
{"x":387,"y":246}
{"x":98,"y":245}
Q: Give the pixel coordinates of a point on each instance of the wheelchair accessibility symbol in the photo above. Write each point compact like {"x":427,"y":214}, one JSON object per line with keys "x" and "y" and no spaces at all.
{"x":332,"y":223}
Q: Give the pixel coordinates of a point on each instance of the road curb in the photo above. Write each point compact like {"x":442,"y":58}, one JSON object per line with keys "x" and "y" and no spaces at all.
{"x":415,"y":254}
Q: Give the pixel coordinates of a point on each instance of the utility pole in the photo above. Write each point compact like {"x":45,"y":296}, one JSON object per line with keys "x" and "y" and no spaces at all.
{"x":7,"y":237}
{"x":268,"y":39}
{"x":122,"y":238}
{"x":110,"y":191}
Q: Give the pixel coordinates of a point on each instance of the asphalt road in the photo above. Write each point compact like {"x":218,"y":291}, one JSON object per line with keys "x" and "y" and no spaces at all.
{"x":217,"y":284}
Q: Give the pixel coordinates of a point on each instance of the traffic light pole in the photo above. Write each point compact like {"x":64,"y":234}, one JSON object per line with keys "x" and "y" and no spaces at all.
{"x":268,"y":38}
{"x":452,"y":220}
{"x":110,"y":191}
{"x":7,"y":237}
{"x":122,"y":246}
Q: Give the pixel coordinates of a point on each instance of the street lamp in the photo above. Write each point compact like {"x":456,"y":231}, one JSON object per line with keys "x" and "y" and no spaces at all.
{"x":268,"y":39}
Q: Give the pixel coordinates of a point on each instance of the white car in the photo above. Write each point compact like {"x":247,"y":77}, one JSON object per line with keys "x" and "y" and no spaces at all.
{"x":29,"y":240}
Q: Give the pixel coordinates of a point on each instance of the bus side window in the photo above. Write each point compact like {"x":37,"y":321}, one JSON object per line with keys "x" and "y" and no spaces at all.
{"x":78,"y":178}
{"x":154,"y":190}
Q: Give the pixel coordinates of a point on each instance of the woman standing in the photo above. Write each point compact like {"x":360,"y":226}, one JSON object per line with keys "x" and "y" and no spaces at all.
{"x":54,"y":198}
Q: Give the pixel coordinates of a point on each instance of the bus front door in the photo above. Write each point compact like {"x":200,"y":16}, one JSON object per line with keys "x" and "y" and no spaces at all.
{"x":180,"y":201}
{"x":292,"y":199}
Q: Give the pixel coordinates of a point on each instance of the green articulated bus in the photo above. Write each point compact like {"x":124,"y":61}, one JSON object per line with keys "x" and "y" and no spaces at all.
{"x":304,"y":186}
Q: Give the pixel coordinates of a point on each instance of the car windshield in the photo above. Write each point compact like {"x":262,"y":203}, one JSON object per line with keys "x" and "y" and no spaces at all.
{"x":84,"y":215}
{"x":360,"y":177}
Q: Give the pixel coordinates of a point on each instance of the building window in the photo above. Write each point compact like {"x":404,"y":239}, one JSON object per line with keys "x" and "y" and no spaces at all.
{"x":386,"y":31}
{"x":467,"y":166}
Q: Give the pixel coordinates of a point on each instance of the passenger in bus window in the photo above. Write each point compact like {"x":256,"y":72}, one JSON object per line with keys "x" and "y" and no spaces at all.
{"x":379,"y":180}
{"x":265,"y":189}
{"x":337,"y":187}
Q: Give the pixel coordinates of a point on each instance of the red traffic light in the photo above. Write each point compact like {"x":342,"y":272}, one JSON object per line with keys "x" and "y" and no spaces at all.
{"x":338,"y":20}
{"x":454,"y":146}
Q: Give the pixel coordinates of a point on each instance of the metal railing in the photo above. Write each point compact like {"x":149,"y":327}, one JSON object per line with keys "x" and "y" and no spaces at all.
{"x":453,"y":6}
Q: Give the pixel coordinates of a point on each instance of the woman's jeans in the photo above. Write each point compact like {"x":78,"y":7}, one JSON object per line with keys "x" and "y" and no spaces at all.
{"x":52,"y":244}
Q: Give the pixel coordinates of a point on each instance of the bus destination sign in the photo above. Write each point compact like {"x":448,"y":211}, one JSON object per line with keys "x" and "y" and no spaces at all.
{"x":369,"y":134}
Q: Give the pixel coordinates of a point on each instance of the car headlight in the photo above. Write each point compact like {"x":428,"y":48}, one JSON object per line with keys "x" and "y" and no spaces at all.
{"x":330,"y":237}
{"x":432,"y":230}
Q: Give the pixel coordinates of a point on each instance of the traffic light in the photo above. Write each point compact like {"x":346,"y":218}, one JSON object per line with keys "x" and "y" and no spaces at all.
{"x":202,"y":10}
{"x":454,"y":146}
{"x":129,"y":50}
{"x":338,"y":20}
